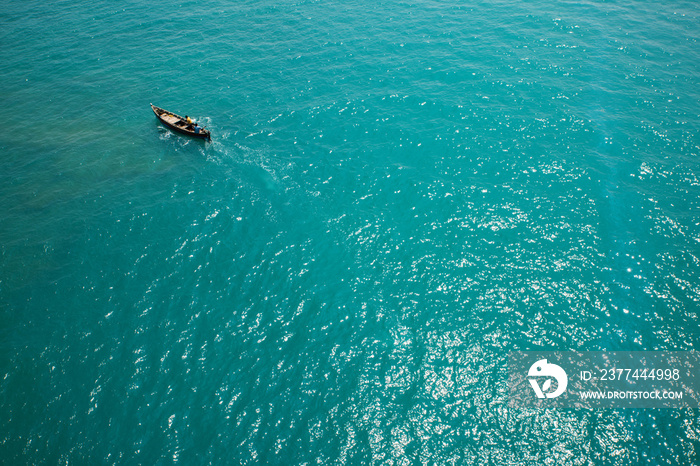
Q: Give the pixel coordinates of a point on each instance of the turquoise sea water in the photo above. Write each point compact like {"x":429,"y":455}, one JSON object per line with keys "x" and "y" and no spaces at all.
{"x":396,"y":195}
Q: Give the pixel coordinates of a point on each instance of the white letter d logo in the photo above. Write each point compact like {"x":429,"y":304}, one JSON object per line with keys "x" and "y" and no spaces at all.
{"x":544,"y":369}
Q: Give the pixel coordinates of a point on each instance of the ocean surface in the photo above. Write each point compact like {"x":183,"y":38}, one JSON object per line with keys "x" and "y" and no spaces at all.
{"x":397,"y":194}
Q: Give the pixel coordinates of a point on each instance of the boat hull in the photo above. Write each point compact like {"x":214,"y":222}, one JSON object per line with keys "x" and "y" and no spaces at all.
{"x":178,"y":124}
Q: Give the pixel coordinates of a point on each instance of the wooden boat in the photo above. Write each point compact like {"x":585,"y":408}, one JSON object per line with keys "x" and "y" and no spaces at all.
{"x":179,"y":124}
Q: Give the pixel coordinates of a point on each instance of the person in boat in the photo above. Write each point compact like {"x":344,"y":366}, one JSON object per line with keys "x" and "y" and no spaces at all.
{"x":197,"y":129}
{"x":188,"y":119}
